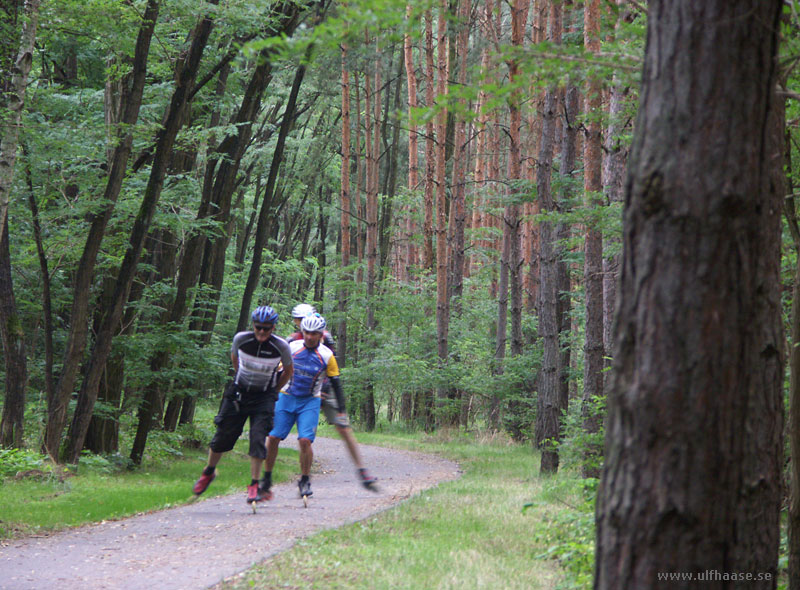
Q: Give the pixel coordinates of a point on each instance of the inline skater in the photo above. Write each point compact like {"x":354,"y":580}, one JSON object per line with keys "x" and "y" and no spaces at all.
{"x":256,"y":357}
{"x":299,"y":402}
{"x":334,"y":412}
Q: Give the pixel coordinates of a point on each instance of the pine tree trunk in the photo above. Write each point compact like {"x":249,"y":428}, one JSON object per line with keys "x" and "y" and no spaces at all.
{"x":442,"y":293}
{"x":386,"y":219}
{"x":413,"y":155}
{"x":563,"y":232}
{"x":548,"y":414}
{"x":407,"y":401}
{"x":430,"y":149}
{"x":458,"y":213}
{"x":692,"y":478}
{"x":344,"y":225}
{"x":594,"y":351}
{"x":358,"y":205}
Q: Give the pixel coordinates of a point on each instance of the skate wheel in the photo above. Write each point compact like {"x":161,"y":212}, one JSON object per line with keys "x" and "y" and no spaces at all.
{"x":305,"y":501}
{"x":253,"y":506}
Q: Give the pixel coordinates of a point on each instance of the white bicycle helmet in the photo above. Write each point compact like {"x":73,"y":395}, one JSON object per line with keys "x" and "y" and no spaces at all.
{"x":301,"y":310}
{"x":313,"y":323}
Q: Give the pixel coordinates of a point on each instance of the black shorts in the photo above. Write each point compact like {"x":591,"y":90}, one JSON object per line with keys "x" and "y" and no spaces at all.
{"x":232,"y":416}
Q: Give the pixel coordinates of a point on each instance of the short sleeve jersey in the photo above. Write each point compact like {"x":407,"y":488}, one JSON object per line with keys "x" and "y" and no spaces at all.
{"x":311,"y":366}
{"x":259,"y":361}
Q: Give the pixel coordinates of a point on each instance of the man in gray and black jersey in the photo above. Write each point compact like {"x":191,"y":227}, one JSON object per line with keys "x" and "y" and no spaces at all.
{"x":257,"y":357}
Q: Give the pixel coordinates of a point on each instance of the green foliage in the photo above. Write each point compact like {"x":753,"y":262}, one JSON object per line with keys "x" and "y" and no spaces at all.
{"x":105,"y":464}
{"x":64,"y":169}
{"x":580,"y":449}
{"x":568,"y":534}
{"x":14,"y":461}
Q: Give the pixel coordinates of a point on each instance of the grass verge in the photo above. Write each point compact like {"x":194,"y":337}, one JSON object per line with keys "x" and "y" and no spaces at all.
{"x":496,"y":527}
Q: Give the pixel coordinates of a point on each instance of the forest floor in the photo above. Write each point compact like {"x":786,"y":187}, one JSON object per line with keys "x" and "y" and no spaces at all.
{"x":199,"y":544}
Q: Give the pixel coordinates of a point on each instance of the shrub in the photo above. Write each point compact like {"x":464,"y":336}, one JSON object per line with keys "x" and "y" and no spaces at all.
{"x":14,"y":461}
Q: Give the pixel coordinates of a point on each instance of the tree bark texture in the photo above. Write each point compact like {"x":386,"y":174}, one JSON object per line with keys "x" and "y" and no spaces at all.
{"x":12,"y":336}
{"x":548,"y":415}
{"x":430,"y":149}
{"x":413,"y":153}
{"x":442,"y":292}
{"x":11,"y":332}
{"x":562,"y":235}
{"x":594,"y":349}
{"x":344,"y":222}
{"x":458,"y":213}
{"x":693,"y":469}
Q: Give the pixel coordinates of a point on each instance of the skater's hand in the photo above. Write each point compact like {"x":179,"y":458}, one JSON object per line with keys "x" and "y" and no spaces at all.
{"x":341,"y":420}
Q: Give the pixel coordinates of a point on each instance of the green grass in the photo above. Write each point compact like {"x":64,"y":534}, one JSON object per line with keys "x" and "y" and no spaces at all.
{"x":474,"y":532}
{"x":55,"y":501}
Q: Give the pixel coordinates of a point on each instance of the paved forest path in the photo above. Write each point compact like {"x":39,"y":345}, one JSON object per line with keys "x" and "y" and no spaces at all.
{"x":197,"y":545}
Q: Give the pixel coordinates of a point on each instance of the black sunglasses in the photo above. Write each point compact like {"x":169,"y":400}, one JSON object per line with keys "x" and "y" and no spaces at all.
{"x":258,"y":328}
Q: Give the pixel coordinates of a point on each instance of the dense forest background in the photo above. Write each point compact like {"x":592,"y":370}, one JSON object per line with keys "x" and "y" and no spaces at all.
{"x":442,"y":180}
{"x":417,"y":173}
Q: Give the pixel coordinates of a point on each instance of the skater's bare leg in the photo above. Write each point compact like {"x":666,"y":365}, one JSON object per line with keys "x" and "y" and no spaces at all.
{"x":272,"y":452}
{"x":306,"y":456}
{"x":255,"y":467}
{"x":346,"y":434}
{"x":213,"y":458}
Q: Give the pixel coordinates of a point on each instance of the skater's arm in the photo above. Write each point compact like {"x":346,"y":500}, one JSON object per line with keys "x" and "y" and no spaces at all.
{"x":286,"y":361}
{"x":337,"y":391}
{"x":285,"y":376}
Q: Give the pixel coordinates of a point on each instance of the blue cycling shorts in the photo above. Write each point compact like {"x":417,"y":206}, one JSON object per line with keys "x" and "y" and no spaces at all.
{"x":291,"y":409}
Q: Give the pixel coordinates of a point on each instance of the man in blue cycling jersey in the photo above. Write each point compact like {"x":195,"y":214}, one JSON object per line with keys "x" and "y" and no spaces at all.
{"x":299,"y":401}
{"x":256,"y":356}
{"x":334,"y":412}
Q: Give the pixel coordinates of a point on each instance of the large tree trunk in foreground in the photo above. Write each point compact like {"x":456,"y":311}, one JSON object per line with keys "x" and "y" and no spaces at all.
{"x":692,"y":479}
